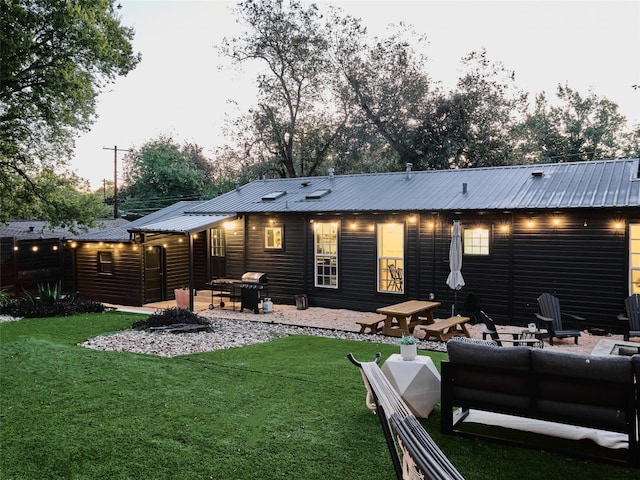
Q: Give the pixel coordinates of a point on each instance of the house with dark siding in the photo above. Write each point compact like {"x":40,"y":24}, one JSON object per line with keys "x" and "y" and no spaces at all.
{"x":32,"y":252}
{"x":364,"y":241}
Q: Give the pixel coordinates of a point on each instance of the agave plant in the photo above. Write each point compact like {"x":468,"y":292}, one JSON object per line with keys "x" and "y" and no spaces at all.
{"x":49,"y":293}
{"x":5,"y":298}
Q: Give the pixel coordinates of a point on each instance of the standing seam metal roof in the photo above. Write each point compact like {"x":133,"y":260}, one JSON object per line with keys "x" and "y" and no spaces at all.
{"x":601,"y":184}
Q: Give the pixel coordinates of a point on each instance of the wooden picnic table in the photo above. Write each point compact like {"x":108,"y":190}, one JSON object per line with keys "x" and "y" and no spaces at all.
{"x":396,"y":323}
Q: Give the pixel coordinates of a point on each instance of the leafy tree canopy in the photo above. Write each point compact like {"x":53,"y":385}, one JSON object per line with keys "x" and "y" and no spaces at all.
{"x":332,"y":96}
{"x":575,"y":128}
{"x":161,"y":173}
{"x":56,"y":58}
{"x":298,"y":115}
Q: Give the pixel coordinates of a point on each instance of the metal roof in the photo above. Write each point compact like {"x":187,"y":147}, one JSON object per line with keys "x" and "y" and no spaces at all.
{"x":593,"y":184}
{"x":40,"y":229}
{"x":121,"y":233}
{"x":185,"y":223}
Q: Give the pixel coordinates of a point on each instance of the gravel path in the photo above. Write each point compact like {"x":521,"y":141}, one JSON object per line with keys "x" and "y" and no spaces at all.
{"x":232,"y":329}
{"x":226,"y":334}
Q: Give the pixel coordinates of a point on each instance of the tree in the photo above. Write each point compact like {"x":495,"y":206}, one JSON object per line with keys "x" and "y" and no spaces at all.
{"x":488,"y":105}
{"x":423,"y":124}
{"x":298,"y":116}
{"x":161,"y":173}
{"x":63,"y":200}
{"x":56,"y":58}
{"x":386,"y":79}
{"x":577,"y":128}
{"x":332,"y":96}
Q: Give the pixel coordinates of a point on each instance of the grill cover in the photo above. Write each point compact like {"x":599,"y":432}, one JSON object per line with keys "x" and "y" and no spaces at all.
{"x":254,"y":277}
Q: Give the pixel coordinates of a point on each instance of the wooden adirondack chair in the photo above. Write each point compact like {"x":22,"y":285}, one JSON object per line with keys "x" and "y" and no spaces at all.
{"x":552,"y":317}
{"x":632,"y":307}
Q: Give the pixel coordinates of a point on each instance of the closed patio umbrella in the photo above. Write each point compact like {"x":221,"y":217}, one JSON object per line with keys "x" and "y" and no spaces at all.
{"x":455,"y":279}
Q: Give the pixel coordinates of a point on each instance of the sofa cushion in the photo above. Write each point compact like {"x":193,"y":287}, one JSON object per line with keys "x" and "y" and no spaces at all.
{"x":610,"y":368}
{"x":635,"y":362}
{"x":509,"y":358}
{"x":574,"y":388}
{"x":490,"y":375}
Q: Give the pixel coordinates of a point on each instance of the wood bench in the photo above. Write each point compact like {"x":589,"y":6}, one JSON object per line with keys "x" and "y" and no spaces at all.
{"x":372,"y":322}
{"x":413,"y":452}
{"x":443,"y":330}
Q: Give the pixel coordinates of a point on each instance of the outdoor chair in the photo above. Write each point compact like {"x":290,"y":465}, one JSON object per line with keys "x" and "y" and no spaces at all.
{"x":471,"y":308}
{"x":552,"y":317}
{"x":513,"y":338}
{"x":395,"y":282}
{"x":632,"y":318}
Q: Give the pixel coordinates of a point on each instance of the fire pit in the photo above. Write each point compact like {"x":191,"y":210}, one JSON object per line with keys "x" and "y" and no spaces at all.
{"x":615,"y":347}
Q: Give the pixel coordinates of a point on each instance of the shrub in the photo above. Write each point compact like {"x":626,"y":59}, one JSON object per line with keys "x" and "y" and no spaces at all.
{"x":5,"y":298}
{"x":49,"y":302}
{"x":170,"y":316}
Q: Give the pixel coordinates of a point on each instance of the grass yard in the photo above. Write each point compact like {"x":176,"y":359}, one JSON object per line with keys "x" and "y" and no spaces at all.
{"x":292,"y":408}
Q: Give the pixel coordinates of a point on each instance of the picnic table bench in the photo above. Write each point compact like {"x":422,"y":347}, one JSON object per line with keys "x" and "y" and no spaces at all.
{"x":372,"y":322}
{"x":443,"y":330}
{"x":413,"y":452}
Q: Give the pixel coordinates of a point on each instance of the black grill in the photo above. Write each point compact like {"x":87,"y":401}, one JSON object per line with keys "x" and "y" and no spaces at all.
{"x":253,"y":289}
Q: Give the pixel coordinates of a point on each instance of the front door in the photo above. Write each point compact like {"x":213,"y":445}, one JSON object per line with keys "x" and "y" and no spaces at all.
{"x":218,"y":252}
{"x":153,"y":275}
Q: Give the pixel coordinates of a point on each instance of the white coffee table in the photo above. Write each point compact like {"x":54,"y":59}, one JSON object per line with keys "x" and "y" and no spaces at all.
{"x":416,"y":381}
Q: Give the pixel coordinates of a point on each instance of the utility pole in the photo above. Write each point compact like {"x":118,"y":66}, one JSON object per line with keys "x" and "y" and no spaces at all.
{"x":115,"y":177}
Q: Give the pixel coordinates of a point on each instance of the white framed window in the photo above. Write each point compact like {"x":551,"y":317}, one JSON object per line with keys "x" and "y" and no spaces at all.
{"x":634,"y":258}
{"x":390,"y":257}
{"x":326,"y":254}
{"x":476,"y":241}
{"x":218,"y":242}
{"x":105,"y":262}
{"x":273,"y":238}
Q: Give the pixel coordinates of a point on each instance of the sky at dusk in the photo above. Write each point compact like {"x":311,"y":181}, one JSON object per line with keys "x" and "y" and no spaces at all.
{"x":179,"y":89}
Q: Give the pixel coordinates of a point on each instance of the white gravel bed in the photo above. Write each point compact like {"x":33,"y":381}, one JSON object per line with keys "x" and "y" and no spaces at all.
{"x":226,"y":334}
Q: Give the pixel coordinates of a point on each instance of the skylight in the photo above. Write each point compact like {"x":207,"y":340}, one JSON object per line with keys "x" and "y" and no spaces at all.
{"x":318,"y":194}
{"x":272,"y":196}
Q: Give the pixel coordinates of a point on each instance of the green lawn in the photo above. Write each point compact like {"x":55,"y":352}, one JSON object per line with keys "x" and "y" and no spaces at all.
{"x":292,"y":408}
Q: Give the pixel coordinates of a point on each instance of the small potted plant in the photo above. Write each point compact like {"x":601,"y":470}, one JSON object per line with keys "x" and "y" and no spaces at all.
{"x":408,"y":347}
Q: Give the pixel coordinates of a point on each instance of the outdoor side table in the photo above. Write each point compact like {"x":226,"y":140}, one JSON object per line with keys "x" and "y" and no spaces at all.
{"x":416,"y":381}
{"x":536,"y":335}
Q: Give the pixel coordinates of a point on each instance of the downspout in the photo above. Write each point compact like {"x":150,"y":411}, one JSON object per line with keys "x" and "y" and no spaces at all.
{"x":436,"y":223}
{"x":305,"y":267}
{"x":418,"y":256}
{"x":510,"y":309}
{"x":190,"y":238}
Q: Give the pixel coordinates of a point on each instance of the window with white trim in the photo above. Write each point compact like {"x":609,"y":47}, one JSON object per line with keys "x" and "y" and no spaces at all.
{"x":476,"y":241}
{"x":326,"y":254}
{"x":105,"y":262}
{"x":634,"y":258}
{"x":391,"y":257}
{"x":218,"y":242}
{"x":273,"y":238}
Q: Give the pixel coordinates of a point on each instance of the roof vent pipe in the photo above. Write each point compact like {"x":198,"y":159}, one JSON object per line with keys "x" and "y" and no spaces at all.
{"x":408,"y":170}
{"x":331,"y":170}
{"x":464,"y":188}
{"x":237,"y":186}
{"x":264,"y":177}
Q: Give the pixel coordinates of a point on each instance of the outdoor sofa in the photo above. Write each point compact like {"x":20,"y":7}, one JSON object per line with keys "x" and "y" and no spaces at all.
{"x":598,"y":392}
